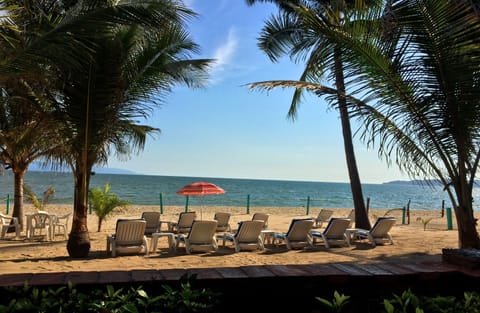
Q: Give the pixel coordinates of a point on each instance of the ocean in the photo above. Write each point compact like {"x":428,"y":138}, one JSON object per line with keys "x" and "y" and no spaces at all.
{"x":153,"y":190}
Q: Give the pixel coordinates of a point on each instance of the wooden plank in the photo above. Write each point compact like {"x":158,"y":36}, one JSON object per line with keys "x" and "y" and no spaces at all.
{"x":47,"y":279}
{"x":14,"y":279}
{"x":351,"y":269}
{"x":232,"y":272}
{"x":146,"y":275}
{"x":82,"y":277}
{"x":286,"y":270}
{"x":114,"y":277}
{"x":257,"y":271}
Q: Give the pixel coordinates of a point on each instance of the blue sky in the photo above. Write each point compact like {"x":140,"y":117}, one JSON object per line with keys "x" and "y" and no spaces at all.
{"x":227,"y":130}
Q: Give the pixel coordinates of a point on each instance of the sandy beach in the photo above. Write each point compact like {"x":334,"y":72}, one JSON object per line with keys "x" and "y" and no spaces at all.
{"x":421,"y":240}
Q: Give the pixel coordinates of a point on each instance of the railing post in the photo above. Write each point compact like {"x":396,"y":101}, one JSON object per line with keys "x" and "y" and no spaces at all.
{"x":408,"y":211}
{"x":449,"y":219}
{"x":308,"y":206}
{"x":8,"y":203}
{"x":403,"y":215}
{"x":248,"y":204}
{"x":161,"y":203}
{"x":186,"y":203}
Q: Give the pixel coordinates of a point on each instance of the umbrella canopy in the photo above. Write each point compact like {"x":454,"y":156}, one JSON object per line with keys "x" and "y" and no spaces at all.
{"x":200,"y":189}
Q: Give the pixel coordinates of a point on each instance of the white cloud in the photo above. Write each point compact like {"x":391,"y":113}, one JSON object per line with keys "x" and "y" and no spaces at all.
{"x":223,"y":56}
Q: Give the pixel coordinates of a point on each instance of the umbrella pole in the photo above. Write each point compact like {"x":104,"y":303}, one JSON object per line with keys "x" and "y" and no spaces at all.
{"x":186,"y":204}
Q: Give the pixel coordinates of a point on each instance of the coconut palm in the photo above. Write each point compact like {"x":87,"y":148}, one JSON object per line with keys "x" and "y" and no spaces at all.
{"x":288,"y":34}
{"x":27,"y":131}
{"x":108,"y":63}
{"x":417,"y":69}
{"x":135,"y":64}
{"x":421,"y":102}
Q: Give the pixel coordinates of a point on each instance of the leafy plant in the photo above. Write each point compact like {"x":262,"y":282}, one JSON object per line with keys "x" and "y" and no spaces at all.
{"x":31,"y":196}
{"x":424,"y":221}
{"x":337,"y":305}
{"x":103,"y":203}
{"x":108,"y":299}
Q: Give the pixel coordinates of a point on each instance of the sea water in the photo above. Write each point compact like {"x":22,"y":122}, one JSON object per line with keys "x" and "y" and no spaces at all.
{"x":156,"y":190}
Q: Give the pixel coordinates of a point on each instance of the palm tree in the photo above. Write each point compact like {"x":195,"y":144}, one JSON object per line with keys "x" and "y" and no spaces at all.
{"x":134,"y":65}
{"x":416,"y":66}
{"x":27,"y":131}
{"x":288,"y":33}
{"x":108,"y":64}
{"x":423,"y":95}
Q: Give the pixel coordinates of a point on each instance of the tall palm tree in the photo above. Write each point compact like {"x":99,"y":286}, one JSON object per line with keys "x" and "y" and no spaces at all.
{"x":108,"y":64}
{"x":26,"y":129}
{"x":288,"y":33}
{"x":26,"y":134}
{"x":416,"y":66}
{"x":135,"y":64}
{"x":421,"y":101}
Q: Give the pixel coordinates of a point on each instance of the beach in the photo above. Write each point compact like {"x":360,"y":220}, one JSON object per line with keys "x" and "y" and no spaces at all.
{"x":421,"y":240}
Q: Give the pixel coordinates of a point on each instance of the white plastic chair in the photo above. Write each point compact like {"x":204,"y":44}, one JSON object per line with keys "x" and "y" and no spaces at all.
{"x":7,"y":222}
{"x":60,"y":224}
{"x":41,"y":221}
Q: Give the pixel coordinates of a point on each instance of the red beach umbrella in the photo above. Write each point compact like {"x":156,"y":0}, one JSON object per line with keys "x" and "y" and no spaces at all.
{"x":200,"y":189}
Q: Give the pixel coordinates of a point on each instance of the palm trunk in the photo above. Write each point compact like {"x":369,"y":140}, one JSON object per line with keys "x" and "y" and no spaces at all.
{"x":466,"y":222}
{"x":18,"y":196}
{"x":78,"y":245}
{"x":361,"y":214}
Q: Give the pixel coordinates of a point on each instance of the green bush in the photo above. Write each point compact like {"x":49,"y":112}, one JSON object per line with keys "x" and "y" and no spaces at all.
{"x":408,"y":302}
{"x":108,"y":299}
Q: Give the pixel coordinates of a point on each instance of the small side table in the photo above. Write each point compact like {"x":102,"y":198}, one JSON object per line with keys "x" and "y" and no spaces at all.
{"x":267,"y":236}
{"x":172,"y":244}
{"x":350,"y":233}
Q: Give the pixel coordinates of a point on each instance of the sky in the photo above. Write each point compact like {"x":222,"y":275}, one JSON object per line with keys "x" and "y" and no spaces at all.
{"x":227,"y":130}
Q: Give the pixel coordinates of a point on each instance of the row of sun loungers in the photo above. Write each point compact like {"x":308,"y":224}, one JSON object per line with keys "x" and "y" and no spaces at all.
{"x":203,"y":235}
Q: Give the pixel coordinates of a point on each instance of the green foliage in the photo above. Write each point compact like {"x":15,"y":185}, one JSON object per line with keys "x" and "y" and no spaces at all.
{"x":337,"y":305}
{"x":425,"y":221}
{"x":409,"y":302}
{"x":103,"y":203}
{"x":108,"y":299}
{"x":31,"y":196}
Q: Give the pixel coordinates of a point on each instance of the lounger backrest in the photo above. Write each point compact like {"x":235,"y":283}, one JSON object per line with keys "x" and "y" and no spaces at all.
{"x":336,"y":227}
{"x":324,"y":215}
{"x":299,"y":229}
{"x":222,"y":219}
{"x":202,"y":232}
{"x":382,"y":226}
{"x":351,"y":217}
{"x":185,"y":220}
{"x":261,"y":217}
{"x":153,"y":221}
{"x":249,"y":231}
{"x":130,"y":231}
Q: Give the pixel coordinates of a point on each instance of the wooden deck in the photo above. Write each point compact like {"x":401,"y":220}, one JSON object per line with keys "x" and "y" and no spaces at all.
{"x":288,"y":284}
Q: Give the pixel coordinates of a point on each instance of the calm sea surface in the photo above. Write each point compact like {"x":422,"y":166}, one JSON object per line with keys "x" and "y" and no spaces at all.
{"x":148,"y":190}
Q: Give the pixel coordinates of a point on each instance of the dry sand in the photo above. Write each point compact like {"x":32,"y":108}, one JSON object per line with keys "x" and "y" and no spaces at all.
{"x":413,"y":243}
